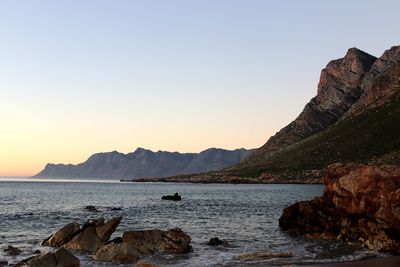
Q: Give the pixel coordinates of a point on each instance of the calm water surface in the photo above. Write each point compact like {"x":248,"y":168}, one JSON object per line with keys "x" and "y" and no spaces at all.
{"x":246,"y":215}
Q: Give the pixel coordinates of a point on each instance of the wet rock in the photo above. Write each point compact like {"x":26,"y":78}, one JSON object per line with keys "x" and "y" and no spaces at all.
{"x":3,"y":263}
{"x":92,"y":236}
{"x":12,"y":251}
{"x":263,"y":255}
{"x":117,"y":253}
{"x":37,"y":252}
{"x":143,"y":263}
{"x":175,"y":197}
{"x":105,"y":231}
{"x":58,"y":258}
{"x":116,"y":208}
{"x":360,"y":204}
{"x":91,"y":209}
{"x":215,"y":241}
{"x":62,"y":236}
{"x":117,"y":240}
{"x":149,"y":242}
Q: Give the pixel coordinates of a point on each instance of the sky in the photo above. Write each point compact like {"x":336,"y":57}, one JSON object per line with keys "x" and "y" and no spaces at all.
{"x":80,"y":77}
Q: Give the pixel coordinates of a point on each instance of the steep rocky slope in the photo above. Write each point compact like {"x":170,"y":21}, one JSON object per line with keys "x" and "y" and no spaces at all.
{"x":338,"y":89}
{"x":355,"y":117}
{"x":364,"y":126}
{"x":145,"y":163}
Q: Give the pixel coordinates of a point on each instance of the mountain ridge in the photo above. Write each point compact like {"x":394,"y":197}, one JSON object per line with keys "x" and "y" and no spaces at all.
{"x":144,"y":163}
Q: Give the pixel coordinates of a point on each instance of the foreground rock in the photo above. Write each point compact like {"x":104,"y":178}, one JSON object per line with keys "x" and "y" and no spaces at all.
{"x":136,"y":244}
{"x":361,"y":203}
{"x":58,"y":258}
{"x":264,"y":255}
{"x":91,"y":237}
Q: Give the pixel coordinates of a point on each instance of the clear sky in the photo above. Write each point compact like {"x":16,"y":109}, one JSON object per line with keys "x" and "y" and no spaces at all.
{"x":79,"y":77}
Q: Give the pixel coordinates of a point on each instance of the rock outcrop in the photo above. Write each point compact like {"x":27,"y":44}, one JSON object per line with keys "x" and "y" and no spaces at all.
{"x":361,"y":203}
{"x":338,"y":89}
{"x":58,"y":258}
{"x":136,"y":244}
{"x":91,"y":237}
{"x":355,"y":117}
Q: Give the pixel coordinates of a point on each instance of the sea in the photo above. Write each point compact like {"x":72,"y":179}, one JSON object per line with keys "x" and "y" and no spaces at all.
{"x":244,"y":215}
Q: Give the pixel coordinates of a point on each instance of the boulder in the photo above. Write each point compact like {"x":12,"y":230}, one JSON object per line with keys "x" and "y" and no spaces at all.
{"x":12,"y":251}
{"x":90,"y":237}
{"x":58,"y":258}
{"x":154,"y":241}
{"x":361,"y":203}
{"x":62,"y":236}
{"x":86,"y":240}
{"x":117,"y":253}
{"x":143,"y":263}
{"x":263,"y":255}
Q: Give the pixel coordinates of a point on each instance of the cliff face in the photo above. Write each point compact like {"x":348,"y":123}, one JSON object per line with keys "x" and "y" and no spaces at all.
{"x":145,"y":163}
{"x":354,"y":117}
{"x":360,"y":204}
{"x":338,"y":89}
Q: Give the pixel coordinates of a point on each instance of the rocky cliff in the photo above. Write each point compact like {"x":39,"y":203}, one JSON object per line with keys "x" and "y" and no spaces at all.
{"x":355,"y":117}
{"x":145,"y":163}
{"x":338,"y":89}
{"x":361,"y":204}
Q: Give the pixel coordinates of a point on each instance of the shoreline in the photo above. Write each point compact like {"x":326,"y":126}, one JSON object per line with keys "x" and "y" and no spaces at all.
{"x":220,"y":182}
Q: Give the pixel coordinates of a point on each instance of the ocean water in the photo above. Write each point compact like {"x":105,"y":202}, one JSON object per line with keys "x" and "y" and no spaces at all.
{"x":245,"y":215}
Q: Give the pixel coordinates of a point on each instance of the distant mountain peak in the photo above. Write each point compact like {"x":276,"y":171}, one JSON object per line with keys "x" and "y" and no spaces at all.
{"x":144,"y":162}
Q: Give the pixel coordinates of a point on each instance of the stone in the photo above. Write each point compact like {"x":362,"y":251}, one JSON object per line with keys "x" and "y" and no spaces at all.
{"x":58,"y":258}
{"x":136,"y":244}
{"x":3,"y":263}
{"x":263,"y":255}
{"x":360,"y":204}
{"x":105,"y":231}
{"x":143,"y":263}
{"x":62,"y":236}
{"x":90,"y":237}
{"x":117,"y":253}
{"x":149,"y":242}
{"x":87,"y":241}
{"x":12,"y":251}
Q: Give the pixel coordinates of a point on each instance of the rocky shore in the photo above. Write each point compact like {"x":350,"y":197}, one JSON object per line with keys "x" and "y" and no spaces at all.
{"x":360,"y":204}
{"x":220,"y":178}
{"x":93,"y":238}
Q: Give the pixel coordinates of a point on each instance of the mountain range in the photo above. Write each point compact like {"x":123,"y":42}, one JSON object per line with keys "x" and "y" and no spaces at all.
{"x":145,"y":163}
{"x":355,"y":117}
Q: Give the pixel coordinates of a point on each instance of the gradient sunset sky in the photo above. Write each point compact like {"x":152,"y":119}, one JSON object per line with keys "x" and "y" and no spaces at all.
{"x":79,"y":77}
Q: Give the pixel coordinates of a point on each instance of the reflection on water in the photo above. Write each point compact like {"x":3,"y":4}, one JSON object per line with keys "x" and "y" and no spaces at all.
{"x":246,"y":215}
